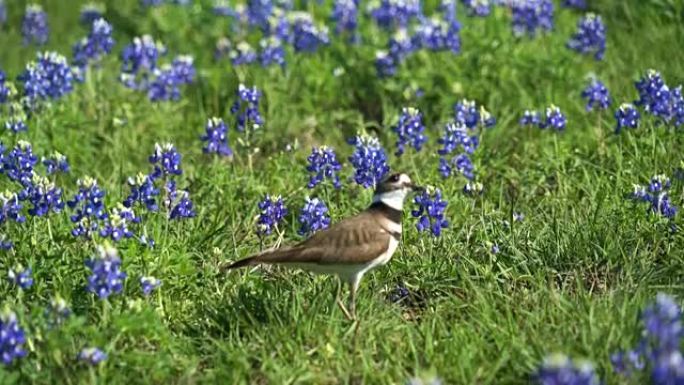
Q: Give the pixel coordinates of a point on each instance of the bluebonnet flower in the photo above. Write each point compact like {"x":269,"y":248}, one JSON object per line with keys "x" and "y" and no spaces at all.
{"x":399,"y":293}
{"x":410,"y":130}
{"x":273,"y":211}
{"x":106,"y":278}
{"x":272,"y":52}
{"x":467,"y":113}
{"x":143,"y":191}
{"x":243,"y":53}
{"x":98,"y":44}
{"x":21,"y":277}
{"x":3,"y":12}
{"x":5,"y":88}
{"x":657,"y":196}
{"x":479,"y":8}
{"x":223,"y":48}
{"x":473,"y":188}
{"x":578,"y":4}
{"x":554,"y":119}
{"x":394,"y":13}
{"x":146,"y":241}
{"x":313,"y":217}
{"x":430,"y":211}
{"x":531,"y":15}
{"x":345,"y":17}
{"x":437,"y":35}
{"x":494,"y":249}
{"x":177,"y":202}
{"x":18,"y":164}
{"x":216,"y":138}
{"x":48,"y":77}
{"x":455,"y":135}
{"x":139,"y":60}
{"x":518,"y":216}
{"x":55,"y":163}
{"x":280,"y":26}
{"x":530,"y":118}
{"x":166,"y":160}
{"x":590,"y":37}
{"x":558,"y":369}
{"x":57,"y":311}
{"x":88,"y":207}
{"x":149,"y":284}
{"x":116,"y":226}
{"x":12,"y":338}
{"x":306,"y":36}
{"x":448,"y":9}
{"x":627,"y":116}
{"x":168,"y":79}
{"x":596,"y":94}
{"x":323,"y":164}
{"x":11,"y":208}
{"x":246,"y":107}
{"x":259,"y":12}
{"x":91,"y":12}
{"x":658,"y":100}
{"x":385,"y":64}
{"x":401,"y":45}
{"x":369,"y":160}
{"x":43,"y":195}
{"x":34,"y":27}
{"x":461,"y":163}
{"x":92,"y":356}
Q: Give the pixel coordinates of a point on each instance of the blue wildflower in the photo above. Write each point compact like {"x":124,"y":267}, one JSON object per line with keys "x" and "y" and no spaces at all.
{"x":246,"y":107}
{"x":142,"y":191}
{"x":168,"y":79}
{"x":223,"y":48}
{"x":479,"y":8}
{"x":88,"y":206}
{"x":92,"y":356}
{"x":658,"y":100}
{"x":578,"y":4}
{"x":18,"y":164}
{"x":106,"y":278}
{"x":345,"y":17}
{"x":385,"y":65}
{"x":272,"y":52}
{"x":166,"y":160}
{"x":518,"y":216}
{"x":530,"y":118}
{"x":57,"y":311}
{"x":461,"y":163}
{"x":243,"y":53}
{"x":55,"y":163}
{"x":43,"y":195}
{"x":410,"y":130}
{"x":149,"y":284}
{"x":307,"y":37}
{"x":657,"y":196}
{"x":369,"y":160}
{"x":473,"y":189}
{"x":467,"y":113}
{"x":177,"y":202}
{"x":590,"y":37}
{"x":3,"y":13}
{"x":11,"y":208}
{"x":216,"y":138}
{"x":223,"y":8}
{"x":313,"y":217}
{"x":21,"y":277}
{"x":6,"y":88}
{"x":554,"y":119}
{"x":97,"y":45}
{"x":597,"y":95}
{"x":259,"y":12}
{"x":48,"y":77}
{"x":395,"y":13}
{"x":323,"y":164}
{"x":558,"y":369}
{"x":437,"y":35}
{"x":455,"y":135}
{"x":117,"y":224}
{"x":401,"y":45}
{"x":430,"y":211}
{"x":627,"y":116}
{"x":139,"y":60}
{"x":531,"y":15}
{"x":91,"y":12}
{"x":34,"y":26}
{"x":273,"y":211}
{"x":5,"y":244}
{"x":12,"y":338}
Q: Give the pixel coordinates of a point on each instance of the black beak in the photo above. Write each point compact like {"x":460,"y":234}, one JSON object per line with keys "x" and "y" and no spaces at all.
{"x":416,"y":188}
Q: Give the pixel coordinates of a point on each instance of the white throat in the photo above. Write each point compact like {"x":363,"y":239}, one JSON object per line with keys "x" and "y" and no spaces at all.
{"x":393,"y":199}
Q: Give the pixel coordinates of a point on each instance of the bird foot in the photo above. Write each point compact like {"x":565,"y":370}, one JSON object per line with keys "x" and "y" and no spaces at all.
{"x":350,"y":316}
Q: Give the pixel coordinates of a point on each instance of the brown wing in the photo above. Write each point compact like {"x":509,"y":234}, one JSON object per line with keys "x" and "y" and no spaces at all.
{"x":354,"y":240}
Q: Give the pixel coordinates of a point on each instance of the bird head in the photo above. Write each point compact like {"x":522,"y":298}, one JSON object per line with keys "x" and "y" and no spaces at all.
{"x":394,"y":189}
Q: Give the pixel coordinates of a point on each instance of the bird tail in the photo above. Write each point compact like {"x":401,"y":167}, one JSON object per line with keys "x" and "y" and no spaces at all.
{"x":268,"y":256}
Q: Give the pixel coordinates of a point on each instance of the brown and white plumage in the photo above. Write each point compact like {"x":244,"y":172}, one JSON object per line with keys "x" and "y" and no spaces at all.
{"x":351,"y":247}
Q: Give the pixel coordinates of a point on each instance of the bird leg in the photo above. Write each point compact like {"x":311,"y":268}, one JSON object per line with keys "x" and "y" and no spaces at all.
{"x":339,"y":301}
{"x":353,"y":286}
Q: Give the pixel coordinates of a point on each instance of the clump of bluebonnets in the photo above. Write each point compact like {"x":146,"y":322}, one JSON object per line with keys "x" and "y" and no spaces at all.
{"x":472,"y":116}
{"x":117,"y":224}
{"x":430,"y":211}
{"x":531,"y":16}
{"x":143,"y":191}
{"x":369,"y":160}
{"x":246,"y":108}
{"x":659,"y":100}
{"x":216,"y":138}
{"x":345,"y":16}
{"x":95,"y":46}
{"x":91,"y":12}
{"x":44,"y":196}
{"x":139,"y":60}
{"x":479,"y":8}
{"x":34,"y":28}
{"x":596,"y":94}
{"x":92,"y":356}
{"x":657,"y":196}
{"x":12,"y":338}
{"x":410,"y":130}
{"x":323,"y":164}
{"x":177,"y":202}
{"x":436,"y":34}
{"x":106,"y":277}
{"x":272,"y":212}
{"x":20,"y":276}
{"x":559,"y":369}
{"x":272,"y":52}
{"x":626,"y":116}
{"x":313,"y":216}
{"x":149,"y":284}
{"x":169,"y":78}
{"x":553,"y":118}
{"x":243,"y":53}
{"x":590,"y":37}
{"x":390,"y":14}
{"x":306,"y":36}
{"x":56,"y":163}
{"x":88,"y":208}
{"x":658,"y":353}
{"x":49,"y":77}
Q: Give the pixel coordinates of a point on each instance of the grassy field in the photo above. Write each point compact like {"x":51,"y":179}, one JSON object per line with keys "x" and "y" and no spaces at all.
{"x":571,"y":277}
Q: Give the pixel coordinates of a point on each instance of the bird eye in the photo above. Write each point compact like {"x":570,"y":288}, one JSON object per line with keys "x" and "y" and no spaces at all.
{"x":394,"y":178}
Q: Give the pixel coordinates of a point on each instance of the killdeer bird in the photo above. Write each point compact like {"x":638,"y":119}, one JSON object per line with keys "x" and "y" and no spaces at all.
{"x":352,"y":247}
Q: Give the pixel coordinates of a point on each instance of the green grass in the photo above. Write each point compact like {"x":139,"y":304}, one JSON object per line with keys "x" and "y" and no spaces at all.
{"x":571,"y":277}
